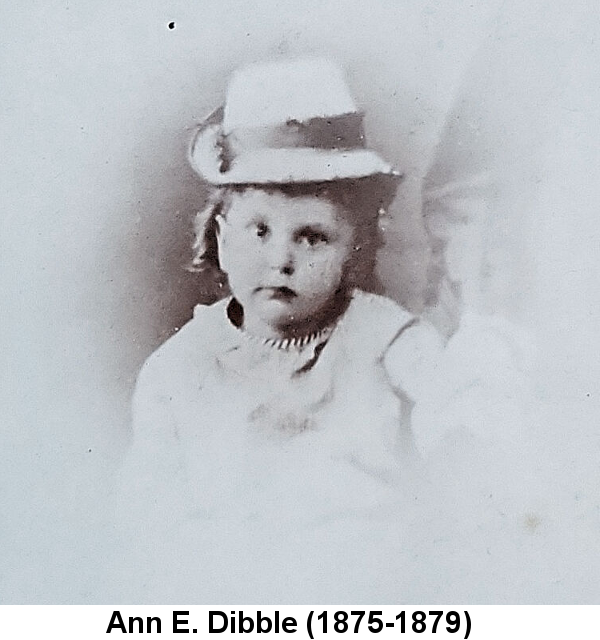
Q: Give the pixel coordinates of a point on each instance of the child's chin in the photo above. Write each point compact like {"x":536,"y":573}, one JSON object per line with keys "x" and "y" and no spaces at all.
{"x":277,"y":312}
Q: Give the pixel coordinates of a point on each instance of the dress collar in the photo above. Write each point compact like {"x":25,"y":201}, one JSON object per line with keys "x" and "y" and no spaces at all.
{"x":298,"y":343}
{"x":234,"y":315}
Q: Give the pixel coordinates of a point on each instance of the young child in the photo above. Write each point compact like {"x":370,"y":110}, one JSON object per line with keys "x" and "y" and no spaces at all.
{"x":287,"y":400}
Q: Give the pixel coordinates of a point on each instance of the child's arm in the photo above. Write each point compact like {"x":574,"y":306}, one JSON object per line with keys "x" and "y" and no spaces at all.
{"x":413,"y":358}
{"x":471,"y":387}
{"x":153,"y":474}
{"x":148,"y":493}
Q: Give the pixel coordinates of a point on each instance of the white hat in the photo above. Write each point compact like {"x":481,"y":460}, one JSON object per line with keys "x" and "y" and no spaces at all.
{"x":285,"y":122}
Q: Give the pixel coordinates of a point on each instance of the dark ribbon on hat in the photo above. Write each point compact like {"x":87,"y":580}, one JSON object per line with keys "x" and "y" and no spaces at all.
{"x":341,"y":133}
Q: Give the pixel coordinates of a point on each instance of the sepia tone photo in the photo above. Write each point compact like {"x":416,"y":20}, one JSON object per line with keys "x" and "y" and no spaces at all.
{"x":300,"y":303}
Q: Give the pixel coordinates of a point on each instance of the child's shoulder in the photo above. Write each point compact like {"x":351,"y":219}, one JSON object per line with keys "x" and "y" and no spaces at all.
{"x":187,"y":349}
{"x":378,"y":316}
{"x":378,"y":303}
{"x":409,"y":345}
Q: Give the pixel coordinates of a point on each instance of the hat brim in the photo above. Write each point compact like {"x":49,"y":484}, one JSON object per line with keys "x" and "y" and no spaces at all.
{"x":282,"y":166}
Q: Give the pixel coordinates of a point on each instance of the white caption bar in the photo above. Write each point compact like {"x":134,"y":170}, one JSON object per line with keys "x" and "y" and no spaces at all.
{"x":301,"y":622}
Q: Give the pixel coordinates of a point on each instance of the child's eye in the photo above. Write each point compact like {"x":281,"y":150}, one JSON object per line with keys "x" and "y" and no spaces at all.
{"x":313,"y":238}
{"x":261,"y":229}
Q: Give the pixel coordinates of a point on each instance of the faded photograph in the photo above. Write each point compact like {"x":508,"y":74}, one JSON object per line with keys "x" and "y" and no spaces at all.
{"x":301,"y":305}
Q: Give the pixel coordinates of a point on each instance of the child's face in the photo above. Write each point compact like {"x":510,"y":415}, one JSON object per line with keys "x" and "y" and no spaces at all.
{"x":284,"y":257}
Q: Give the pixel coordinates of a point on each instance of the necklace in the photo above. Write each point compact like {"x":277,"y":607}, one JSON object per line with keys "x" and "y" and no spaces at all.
{"x":235,"y":314}
{"x":298,"y":343}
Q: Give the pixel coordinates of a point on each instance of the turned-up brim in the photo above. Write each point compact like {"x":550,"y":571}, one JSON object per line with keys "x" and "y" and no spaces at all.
{"x":281,"y":165}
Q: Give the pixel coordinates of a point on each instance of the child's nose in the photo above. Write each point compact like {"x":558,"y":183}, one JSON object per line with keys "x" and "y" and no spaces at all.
{"x":282,"y":258}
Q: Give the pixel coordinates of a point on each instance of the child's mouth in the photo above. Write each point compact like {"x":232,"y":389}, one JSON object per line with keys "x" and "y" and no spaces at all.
{"x":280,"y":293}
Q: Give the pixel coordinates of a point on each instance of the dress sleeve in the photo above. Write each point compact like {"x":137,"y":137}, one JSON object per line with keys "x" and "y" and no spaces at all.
{"x":471,"y":387}
{"x":152,"y":474}
{"x":149,"y":492}
{"x":413,"y":364}
{"x":412,"y":360}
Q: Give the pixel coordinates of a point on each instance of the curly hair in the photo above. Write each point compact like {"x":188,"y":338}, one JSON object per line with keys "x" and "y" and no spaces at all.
{"x":360,"y":201}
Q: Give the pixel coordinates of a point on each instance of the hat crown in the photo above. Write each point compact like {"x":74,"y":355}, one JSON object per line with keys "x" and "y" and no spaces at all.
{"x":277,"y":92}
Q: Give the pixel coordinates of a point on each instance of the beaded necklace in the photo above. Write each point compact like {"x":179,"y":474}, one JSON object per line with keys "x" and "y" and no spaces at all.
{"x":298,"y":343}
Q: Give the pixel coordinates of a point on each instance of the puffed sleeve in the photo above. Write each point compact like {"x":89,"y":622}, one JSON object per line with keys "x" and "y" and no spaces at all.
{"x":473,"y":386}
{"x":413,"y":358}
{"x":413,"y":363}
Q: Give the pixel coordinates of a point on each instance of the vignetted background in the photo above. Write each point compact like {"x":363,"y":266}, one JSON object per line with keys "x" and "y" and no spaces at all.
{"x":98,"y":101}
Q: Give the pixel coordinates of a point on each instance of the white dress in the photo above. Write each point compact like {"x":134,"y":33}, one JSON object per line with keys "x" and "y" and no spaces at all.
{"x":249,"y":456}
{"x":249,"y":482}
